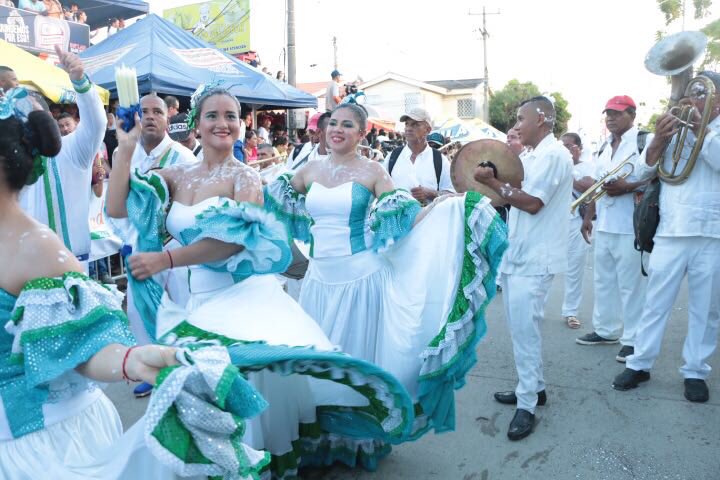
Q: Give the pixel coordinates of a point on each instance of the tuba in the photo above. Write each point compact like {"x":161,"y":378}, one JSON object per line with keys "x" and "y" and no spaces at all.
{"x":674,"y":56}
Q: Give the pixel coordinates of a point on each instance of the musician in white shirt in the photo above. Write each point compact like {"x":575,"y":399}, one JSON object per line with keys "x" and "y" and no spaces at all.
{"x":619,"y":284}
{"x":687,"y":244}
{"x":535,"y":254}
{"x":577,"y":247}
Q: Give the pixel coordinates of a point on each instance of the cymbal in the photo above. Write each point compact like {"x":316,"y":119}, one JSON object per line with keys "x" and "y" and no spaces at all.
{"x":508,"y":165}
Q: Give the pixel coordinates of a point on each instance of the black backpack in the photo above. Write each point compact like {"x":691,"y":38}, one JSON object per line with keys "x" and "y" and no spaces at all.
{"x":437,"y":163}
{"x":646,"y":218}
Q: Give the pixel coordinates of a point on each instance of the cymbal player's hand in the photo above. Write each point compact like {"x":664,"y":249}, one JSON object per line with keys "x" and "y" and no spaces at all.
{"x":484,"y":174}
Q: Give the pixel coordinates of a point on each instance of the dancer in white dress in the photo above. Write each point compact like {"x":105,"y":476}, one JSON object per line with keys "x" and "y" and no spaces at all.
{"x":232,"y":247}
{"x":63,"y":333}
{"x":411,"y":302}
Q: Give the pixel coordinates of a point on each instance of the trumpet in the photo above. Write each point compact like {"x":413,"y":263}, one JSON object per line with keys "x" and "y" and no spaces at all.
{"x":451,"y":149}
{"x":596,"y":192}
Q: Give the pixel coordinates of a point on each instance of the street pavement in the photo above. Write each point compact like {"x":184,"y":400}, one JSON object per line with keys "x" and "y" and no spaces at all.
{"x":587,"y":430}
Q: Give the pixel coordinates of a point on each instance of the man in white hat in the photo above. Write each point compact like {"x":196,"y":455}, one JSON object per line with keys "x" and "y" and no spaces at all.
{"x":417,"y":167}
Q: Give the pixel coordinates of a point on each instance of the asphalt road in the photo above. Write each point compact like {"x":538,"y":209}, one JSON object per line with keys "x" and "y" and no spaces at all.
{"x":586,"y":431}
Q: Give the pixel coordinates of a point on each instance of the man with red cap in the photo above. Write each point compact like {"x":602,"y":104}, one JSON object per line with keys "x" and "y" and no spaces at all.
{"x":619,"y":284}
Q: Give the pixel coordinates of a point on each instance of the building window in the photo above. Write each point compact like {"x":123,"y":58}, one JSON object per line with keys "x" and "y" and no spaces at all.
{"x":466,"y":108}
{"x":413,"y":100}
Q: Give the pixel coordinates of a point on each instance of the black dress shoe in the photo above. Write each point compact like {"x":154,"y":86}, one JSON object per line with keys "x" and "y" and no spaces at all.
{"x":509,"y":398}
{"x":629,"y":379}
{"x":522,"y":425}
{"x":696,"y":390}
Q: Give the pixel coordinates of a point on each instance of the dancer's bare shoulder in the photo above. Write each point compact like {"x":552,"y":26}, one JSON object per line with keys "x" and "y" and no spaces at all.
{"x":31,"y":250}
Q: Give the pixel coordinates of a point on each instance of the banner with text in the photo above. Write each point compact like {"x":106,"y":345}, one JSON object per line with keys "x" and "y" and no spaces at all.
{"x":39,"y":34}
{"x":224,"y":24}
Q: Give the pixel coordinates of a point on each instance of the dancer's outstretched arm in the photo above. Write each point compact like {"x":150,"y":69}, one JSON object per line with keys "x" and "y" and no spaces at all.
{"x":119,"y":184}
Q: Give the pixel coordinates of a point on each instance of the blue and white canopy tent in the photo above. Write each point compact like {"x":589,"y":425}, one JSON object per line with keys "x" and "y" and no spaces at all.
{"x":171,"y":61}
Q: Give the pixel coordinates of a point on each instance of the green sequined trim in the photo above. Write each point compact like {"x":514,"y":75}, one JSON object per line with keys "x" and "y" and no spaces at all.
{"x":46,"y":283}
{"x":392,"y":192}
{"x":65,"y":329}
{"x":154,"y":181}
{"x":461,"y":304}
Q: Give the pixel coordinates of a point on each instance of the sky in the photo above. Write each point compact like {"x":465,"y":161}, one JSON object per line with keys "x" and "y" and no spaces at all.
{"x":588,"y":50}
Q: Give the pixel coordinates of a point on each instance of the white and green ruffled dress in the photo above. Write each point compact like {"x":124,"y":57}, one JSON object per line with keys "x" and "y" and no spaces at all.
{"x":323,"y":405}
{"x":409,"y":299}
{"x":55,"y":423}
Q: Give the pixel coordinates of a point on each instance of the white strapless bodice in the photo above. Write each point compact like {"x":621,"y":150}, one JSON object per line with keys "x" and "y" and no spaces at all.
{"x":180,"y":217}
{"x":340,"y":219}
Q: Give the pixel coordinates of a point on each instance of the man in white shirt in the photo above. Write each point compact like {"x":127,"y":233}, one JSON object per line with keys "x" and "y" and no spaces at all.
{"x":59,"y":199}
{"x":687,"y":244}
{"x":416,"y":167}
{"x":577,"y":246}
{"x":536,"y":252}
{"x":316,"y":148}
{"x":179,"y":131}
{"x":264,"y":130}
{"x":619,"y":284}
{"x":334,"y":94}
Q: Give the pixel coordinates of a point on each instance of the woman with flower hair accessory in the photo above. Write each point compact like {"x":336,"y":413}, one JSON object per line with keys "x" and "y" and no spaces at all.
{"x":64,"y":333}
{"x":389,"y":282}
{"x":320,"y":400}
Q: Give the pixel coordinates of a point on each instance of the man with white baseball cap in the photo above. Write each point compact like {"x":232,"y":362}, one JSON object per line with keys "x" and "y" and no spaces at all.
{"x":417,"y":167}
{"x":179,"y":131}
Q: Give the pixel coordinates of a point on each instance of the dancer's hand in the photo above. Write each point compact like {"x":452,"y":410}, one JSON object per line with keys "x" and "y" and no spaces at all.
{"x":129,"y":139}
{"x":71,"y":63}
{"x":423,"y":195}
{"x":145,"y":265}
{"x":145,"y":362}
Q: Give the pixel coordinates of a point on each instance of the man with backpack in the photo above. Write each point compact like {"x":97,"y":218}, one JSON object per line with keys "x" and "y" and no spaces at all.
{"x":619,"y":284}
{"x":686,"y":245}
{"x":416,"y":167}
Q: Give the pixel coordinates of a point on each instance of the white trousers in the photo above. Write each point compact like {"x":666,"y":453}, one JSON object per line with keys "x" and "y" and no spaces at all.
{"x":524,"y":300}
{"x":577,"y":256}
{"x":619,"y":287}
{"x":673,"y":258}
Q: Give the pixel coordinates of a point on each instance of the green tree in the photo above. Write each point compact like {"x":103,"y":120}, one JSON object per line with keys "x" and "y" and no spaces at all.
{"x":504,"y":104}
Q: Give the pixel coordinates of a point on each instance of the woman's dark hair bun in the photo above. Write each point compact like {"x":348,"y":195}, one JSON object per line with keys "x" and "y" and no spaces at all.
{"x":44,"y":133}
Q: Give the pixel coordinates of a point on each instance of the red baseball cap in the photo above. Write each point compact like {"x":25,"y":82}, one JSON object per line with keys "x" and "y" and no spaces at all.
{"x":619,"y":103}
{"x":313,"y":122}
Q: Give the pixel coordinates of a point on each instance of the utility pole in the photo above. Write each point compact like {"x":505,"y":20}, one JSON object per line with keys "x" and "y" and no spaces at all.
{"x":335,"y":62}
{"x":291,"y":58}
{"x":486,"y":77}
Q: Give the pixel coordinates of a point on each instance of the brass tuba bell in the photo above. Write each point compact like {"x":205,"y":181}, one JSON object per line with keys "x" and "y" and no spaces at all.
{"x":674,"y":56}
